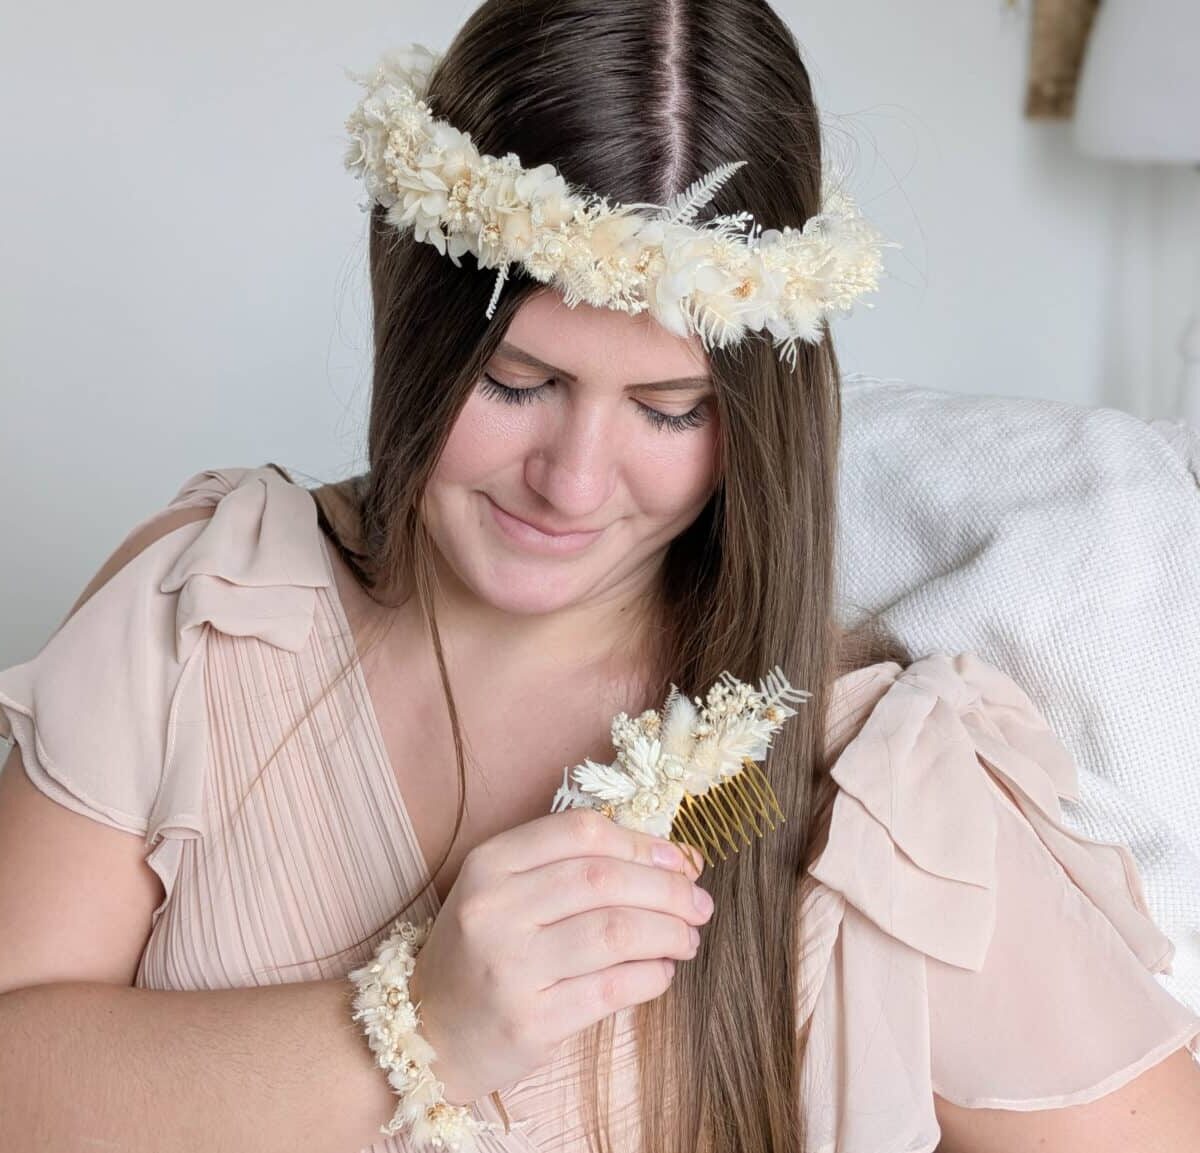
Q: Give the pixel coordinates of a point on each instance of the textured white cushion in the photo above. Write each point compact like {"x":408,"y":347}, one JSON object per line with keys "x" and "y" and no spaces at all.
{"x":1062,"y":544}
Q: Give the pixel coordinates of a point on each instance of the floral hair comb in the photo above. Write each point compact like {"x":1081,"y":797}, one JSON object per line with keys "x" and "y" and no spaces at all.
{"x":689,"y":773}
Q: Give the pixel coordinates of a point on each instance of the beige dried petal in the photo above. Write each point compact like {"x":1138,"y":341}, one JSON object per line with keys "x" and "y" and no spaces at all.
{"x":719,"y":280}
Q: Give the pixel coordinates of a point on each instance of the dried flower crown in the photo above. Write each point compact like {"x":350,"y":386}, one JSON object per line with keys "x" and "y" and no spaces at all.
{"x":713,"y":280}
{"x":688,"y":773}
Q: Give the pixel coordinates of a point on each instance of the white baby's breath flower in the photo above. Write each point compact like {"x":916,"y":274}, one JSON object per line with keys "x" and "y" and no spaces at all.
{"x":623,"y":730}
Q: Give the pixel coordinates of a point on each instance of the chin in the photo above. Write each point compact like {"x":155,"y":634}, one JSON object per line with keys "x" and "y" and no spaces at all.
{"x":528,"y":587}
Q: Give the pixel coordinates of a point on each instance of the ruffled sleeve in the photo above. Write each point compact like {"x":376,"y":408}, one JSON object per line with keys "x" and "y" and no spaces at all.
{"x":960,"y":940}
{"x":111,"y":714}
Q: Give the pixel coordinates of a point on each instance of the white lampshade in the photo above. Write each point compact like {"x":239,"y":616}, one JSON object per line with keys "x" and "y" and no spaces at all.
{"x":1139,"y":93}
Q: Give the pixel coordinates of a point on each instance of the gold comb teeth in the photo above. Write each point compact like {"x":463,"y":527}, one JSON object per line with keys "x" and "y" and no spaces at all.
{"x":726,"y":809}
{"x":689,"y":772}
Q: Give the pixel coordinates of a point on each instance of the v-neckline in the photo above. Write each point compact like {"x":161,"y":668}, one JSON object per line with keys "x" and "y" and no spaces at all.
{"x":484,"y":1105}
{"x":383,"y":760}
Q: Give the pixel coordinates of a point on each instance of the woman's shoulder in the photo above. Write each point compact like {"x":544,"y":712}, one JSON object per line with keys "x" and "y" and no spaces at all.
{"x":109,"y":712}
{"x":931,"y":754}
{"x":959,"y":937}
{"x":255,"y":568}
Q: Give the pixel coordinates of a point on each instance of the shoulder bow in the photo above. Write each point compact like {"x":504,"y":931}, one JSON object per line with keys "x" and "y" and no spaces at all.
{"x":254,"y":568}
{"x":912,"y":838}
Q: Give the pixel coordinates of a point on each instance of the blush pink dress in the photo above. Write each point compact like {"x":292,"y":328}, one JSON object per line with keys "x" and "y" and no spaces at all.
{"x":961,"y":940}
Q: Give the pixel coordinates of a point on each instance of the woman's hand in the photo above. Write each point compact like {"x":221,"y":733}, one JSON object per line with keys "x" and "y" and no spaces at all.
{"x":549,"y":927}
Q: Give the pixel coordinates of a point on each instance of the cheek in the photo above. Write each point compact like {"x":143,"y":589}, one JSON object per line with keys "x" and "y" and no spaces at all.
{"x":673,"y":474}
{"x":485,"y":438}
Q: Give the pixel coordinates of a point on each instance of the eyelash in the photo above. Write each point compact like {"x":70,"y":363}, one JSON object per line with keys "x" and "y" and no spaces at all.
{"x":660,"y":420}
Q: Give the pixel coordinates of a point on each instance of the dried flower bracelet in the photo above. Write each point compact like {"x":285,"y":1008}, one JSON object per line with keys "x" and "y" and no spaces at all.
{"x":382,"y":1001}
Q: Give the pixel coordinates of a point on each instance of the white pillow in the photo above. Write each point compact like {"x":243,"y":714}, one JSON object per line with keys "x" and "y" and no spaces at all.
{"x":1062,"y":544}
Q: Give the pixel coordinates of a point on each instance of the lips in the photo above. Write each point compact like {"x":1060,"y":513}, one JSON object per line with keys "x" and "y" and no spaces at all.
{"x":532,"y":539}
{"x":581,"y":532}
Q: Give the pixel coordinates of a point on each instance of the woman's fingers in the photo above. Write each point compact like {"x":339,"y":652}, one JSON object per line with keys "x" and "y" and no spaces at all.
{"x":578,"y":1002}
{"x":549,"y":927}
{"x":579,"y":833}
{"x":601,"y":938}
{"x":565,"y":888}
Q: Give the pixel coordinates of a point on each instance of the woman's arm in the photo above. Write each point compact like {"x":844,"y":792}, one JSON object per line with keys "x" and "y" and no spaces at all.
{"x":88,"y":1066}
{"x":1156,"y":1112}
{"x":89,"y":1063}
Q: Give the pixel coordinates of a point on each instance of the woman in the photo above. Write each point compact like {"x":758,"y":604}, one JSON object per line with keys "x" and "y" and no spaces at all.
{"x":308,"y":696}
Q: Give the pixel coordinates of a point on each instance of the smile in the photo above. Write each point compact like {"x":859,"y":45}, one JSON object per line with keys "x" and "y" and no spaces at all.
{"x":533,"y":539}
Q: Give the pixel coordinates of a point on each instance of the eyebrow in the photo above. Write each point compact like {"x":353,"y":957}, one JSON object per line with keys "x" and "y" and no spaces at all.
{"x":519,"y":354}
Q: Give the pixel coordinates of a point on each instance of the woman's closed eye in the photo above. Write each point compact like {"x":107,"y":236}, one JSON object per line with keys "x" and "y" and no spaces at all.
{"x":697,"y":417}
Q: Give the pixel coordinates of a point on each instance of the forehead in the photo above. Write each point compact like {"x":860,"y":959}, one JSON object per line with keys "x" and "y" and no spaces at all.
{"x":602,"y":343}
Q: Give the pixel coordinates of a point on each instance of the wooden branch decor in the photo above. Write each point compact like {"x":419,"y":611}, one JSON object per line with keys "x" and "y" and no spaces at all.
{"x":1060,"y":34}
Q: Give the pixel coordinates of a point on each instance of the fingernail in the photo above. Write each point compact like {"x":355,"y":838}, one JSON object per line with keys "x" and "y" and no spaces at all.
{"x":666,"y":855}
{"x":702,"y":900}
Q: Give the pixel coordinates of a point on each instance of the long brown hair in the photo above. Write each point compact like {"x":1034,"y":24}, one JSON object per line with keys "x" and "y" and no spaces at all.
{"x":636,"y":99}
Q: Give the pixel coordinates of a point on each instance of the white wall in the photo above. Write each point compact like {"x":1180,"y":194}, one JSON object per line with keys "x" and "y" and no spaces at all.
{"x":184,"y":275}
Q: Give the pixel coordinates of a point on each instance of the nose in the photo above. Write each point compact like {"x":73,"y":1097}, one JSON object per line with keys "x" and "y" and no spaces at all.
{"x":573,"y":465}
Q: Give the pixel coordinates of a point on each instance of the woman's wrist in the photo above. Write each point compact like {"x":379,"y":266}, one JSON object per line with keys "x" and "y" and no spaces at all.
{"x":453,"y":1090}
{"x":384,"y":1004}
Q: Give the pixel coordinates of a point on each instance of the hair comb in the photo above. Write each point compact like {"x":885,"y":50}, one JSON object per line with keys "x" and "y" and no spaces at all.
{"x":689,"y":772}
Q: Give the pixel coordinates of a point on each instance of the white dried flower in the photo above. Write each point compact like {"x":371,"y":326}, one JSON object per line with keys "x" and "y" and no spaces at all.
{"x":381,"y":1000}
{"x":684,"y":750}
{"x":720,"y":280}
